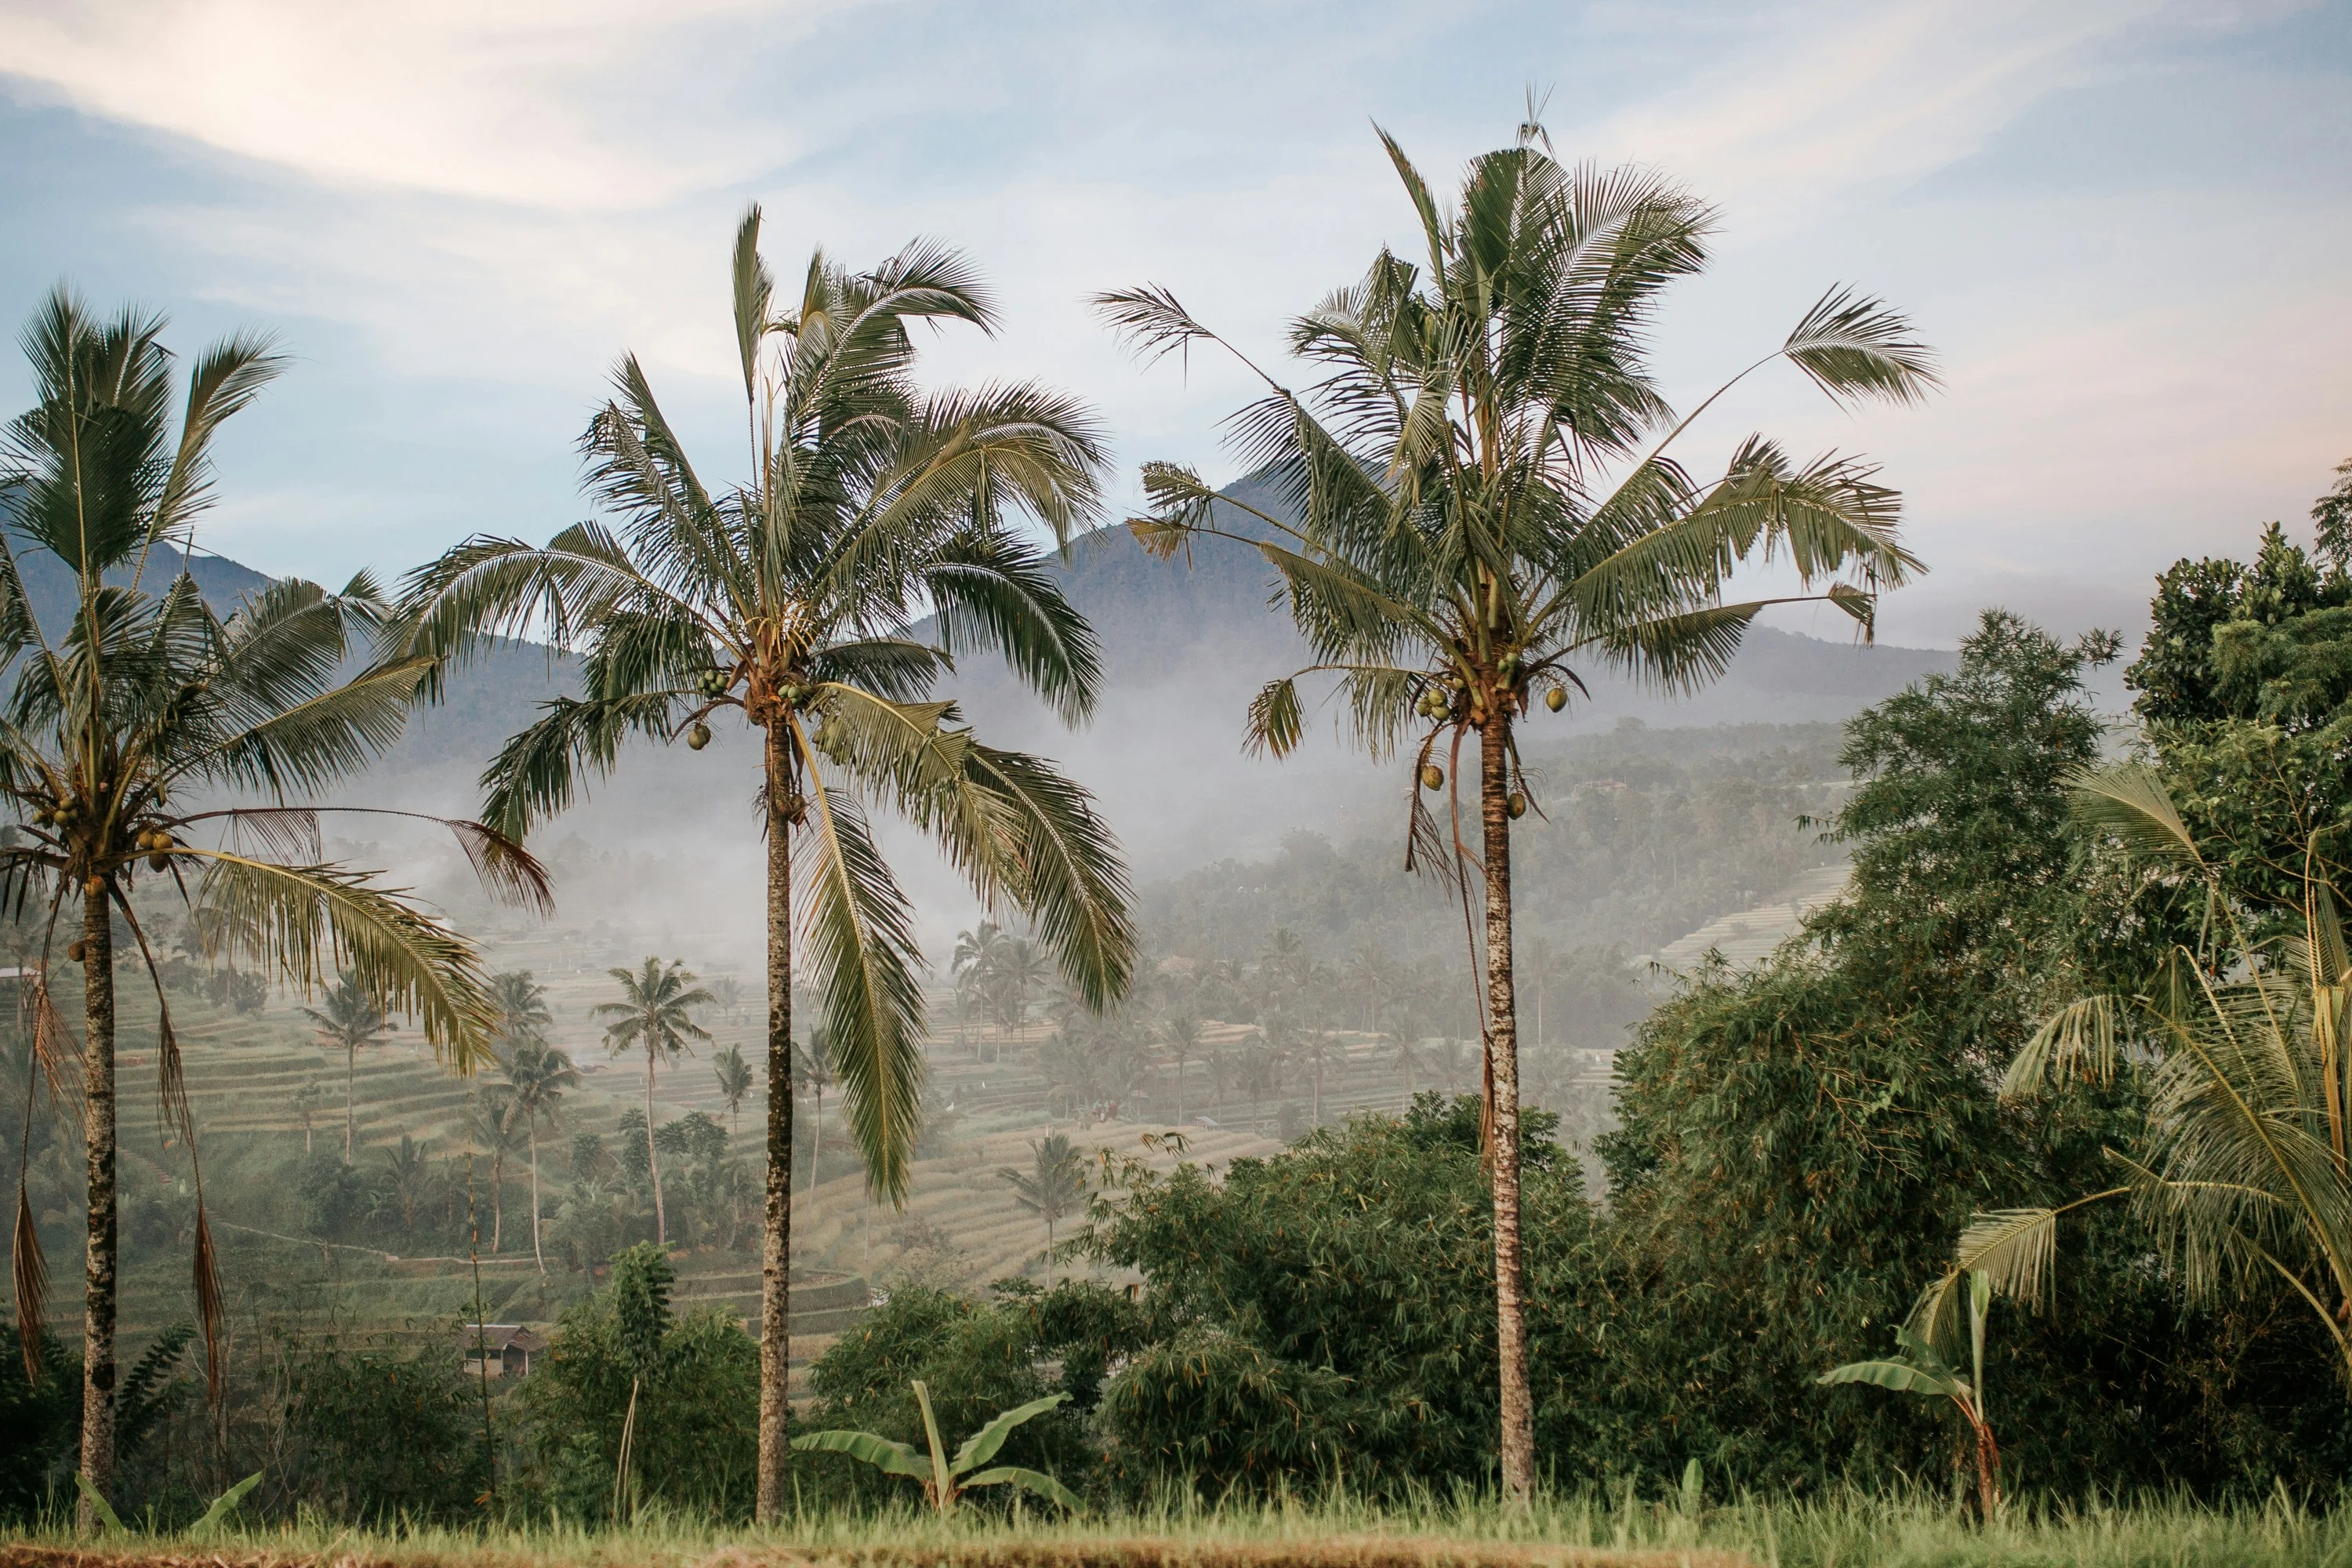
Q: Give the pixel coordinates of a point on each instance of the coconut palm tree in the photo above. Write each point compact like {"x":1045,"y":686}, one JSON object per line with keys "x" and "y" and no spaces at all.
{"x":494,"y":1124}
{"x":1480,"y":498}
{"x":537,"y":1075}
{"x":130,"y":731}
{"x":349,"y":1021}
{"x":812,"y":1066}
{"x":819,"y":600}
{"x":735,"y":1077}
{"x":1054,"y":1186}
{"x":654,"y":1014}
{"x":521,"y":1002}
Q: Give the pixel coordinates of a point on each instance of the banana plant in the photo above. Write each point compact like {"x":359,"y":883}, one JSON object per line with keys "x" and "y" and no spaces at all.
{"x":945,"y":1480}
{"x":1920,"y":1369}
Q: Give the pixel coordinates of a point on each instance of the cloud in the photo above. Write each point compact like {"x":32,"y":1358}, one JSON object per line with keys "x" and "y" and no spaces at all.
{"x":582,"y":105}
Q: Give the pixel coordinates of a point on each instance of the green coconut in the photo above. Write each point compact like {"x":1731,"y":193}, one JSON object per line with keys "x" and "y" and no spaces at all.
{"x":1432,"y":777}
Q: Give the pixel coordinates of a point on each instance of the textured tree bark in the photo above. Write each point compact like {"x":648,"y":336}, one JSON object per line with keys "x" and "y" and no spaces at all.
{"x":99,"y":1261}
{"x":776,"y":1236}
{"x":1518,"y":1444}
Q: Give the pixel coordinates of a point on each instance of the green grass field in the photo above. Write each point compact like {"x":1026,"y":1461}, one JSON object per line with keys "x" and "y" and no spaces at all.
{"x":1853,"y":1531}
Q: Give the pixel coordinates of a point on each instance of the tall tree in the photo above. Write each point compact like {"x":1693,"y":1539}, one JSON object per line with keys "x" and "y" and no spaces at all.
{"x":494,"y":1123}
{"x":1180,"y":1033}
{"x":1053,"y":1188}
{"x":130,"y":730}
{"x":521,"y":1002}
{"x":735,"y":1077}
{"x":1481,"y":499}
{"x":654,"y":1014}
{"x":793,"y":600}
{"x":349,"y":1021}
{"x":812,"y":1066}
{"x":537,"y":1075}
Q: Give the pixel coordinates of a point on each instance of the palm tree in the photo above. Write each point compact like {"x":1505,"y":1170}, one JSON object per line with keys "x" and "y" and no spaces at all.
{"x":537,"y":1075}
{"x":735,"y":1078}
{"x":656,"y":1014}
{"x":306,"y":1106}
{"x":794,"y":600}
{"x":349,"y":1021}
{"x":494,"y":1123}
{"x":130,"y":730}
{"x":1481,"y":498}
{"x":521,"y":1002}
{"x":1180,"y":1033}
{"x":1053,"y":1188}
{"x":2246,"y":1175}
{"x":812,"y":1065}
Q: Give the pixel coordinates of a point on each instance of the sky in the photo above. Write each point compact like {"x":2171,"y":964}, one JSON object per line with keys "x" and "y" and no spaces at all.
{"x":2123,"y":223}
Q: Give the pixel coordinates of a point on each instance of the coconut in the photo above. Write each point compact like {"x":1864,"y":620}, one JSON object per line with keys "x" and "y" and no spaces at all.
{"x":1516,"y":806}
{"x":74,"y":950}
{"x":1432,"y":777}
{"x":1556,"y":699}
{"x":697,"y":737}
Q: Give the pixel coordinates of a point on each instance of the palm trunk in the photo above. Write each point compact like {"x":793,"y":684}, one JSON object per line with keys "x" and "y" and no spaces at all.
{"x":1518,"y":1452}
{"x":1179,"y":1088}
{"x":653,"y":1155}
{"x":816,"y":1139}
{"x":535,"y":1251}
{"x":776,"y":1232}
{"x":349,"y":1052}
{"x":498,"y":1201}
{"x":1319,"y":1083}
{"x":99,"y":1261}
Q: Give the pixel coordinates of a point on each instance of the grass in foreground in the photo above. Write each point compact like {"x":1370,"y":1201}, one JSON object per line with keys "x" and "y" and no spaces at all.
{"x":1854,"y":1529}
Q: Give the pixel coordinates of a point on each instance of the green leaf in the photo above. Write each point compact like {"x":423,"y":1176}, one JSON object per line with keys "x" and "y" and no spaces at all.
{"x":1899,"y":1376}
{"x":105,"y":1513}
{"x":983,"y":1444}
{"x":224,"y":1505}
{"x":1044,"y":1485}
{"x":895,"y":1459}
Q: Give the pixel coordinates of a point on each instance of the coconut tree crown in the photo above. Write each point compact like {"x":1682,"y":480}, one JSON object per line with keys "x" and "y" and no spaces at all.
{"x":876,"y":539}
{"x":1478,"y":492}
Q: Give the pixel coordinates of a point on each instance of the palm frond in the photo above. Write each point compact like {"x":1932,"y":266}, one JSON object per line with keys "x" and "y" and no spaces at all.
{"x":1854,"y":346}
{"x":859,"y":934}
{"x":311,"y":922}
{"x":2087,"y":1037}
{"x":2130,"y":802}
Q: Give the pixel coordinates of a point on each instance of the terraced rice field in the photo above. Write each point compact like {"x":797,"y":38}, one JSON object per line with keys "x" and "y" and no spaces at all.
{"x":960,"y":1226}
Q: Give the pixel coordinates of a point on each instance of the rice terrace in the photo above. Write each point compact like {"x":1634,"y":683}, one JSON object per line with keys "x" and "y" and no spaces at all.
{"x":896,"y":785}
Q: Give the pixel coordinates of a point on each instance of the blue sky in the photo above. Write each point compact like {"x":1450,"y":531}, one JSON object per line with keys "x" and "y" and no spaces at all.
{"x":2125,"y":225}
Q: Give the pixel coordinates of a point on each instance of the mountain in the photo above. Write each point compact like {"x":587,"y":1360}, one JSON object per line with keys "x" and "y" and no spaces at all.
{"x":1185,"y":646}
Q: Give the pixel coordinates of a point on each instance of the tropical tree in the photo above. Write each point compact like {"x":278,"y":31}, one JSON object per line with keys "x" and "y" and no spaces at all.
{"x":521,"y":1002}
{"x":654,"y":1014}
{"x":1054,"y":1186}
{"x":735,"y":1078}
{"x":2246,"y":1175}
{"x":349,"y":1021}
{"x":796,"y":600}
{"x":1480,"y":498}
{"x":537,"y":1076}
{"x":494,"y":1124}
{"x":812,"y":1065}
{"x":306,"y":1106}
{"x":128,"y":732}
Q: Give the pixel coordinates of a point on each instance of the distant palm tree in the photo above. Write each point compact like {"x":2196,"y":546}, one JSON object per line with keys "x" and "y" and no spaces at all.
{"x":537,"y":1075}
{"x":521,"y":1002}
{"x":350,"y":1020}
{"x":1480,"y":500}
{"x":137,"y":720}
{"x":1180,"y":1033}
{"x":408,"y":1178}
{"x":812,"y":1066}
{"x":306,"y":1106}
{"x":735,"y":1078}
{"x":874,"y":542}
{"x":494,"y":1124}
{"x":654,"y":1014}
{"x":1054,"y":1186}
